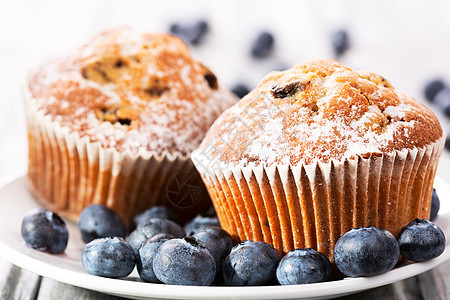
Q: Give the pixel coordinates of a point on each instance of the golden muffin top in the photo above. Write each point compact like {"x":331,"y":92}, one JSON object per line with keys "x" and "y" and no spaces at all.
{"x":134,"y":92}
{"x":320,"y":110}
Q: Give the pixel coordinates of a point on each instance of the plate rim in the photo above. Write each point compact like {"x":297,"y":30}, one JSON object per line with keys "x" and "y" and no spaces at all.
{"x":141,"y":289}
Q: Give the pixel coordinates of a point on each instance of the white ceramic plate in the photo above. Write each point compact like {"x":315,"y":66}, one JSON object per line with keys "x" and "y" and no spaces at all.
{"x":16,"y":201}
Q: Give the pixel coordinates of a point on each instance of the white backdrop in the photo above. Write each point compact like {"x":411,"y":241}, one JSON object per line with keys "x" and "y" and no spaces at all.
{"x":408,"y":42}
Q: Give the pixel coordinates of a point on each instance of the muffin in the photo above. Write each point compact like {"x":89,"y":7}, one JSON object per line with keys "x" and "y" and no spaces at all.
{"x":317,"y":150}
{"x":115,"y":121}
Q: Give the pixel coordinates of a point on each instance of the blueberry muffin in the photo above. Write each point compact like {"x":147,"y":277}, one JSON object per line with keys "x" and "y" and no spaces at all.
{"x":317,"y":150}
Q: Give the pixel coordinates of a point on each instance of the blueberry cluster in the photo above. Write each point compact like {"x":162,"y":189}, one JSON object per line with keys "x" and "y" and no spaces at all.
{"x":163,"y":253}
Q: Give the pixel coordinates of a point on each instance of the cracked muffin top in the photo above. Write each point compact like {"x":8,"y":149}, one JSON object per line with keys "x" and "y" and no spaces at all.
{"x":134,"y":92}
{"x":320,"y":110}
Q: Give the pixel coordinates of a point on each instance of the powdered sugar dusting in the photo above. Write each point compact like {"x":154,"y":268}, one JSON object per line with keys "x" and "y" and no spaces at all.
{"x":338,"y":115}
{"x":162,"y":92}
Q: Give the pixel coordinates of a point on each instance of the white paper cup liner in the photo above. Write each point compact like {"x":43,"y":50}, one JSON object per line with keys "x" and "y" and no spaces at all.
{"x":313,"y":205}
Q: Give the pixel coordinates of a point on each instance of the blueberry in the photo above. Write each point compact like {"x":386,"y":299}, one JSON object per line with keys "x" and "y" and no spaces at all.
{"x":240,"y":90}
{"x":217,"y":241}
{"x":193,"y":34}
{"x":184,"y":262}
{"x":98,"y":221}
{"x":435,"y":205}
{"x":366,"y":251}
{"x":198,"y":223}
{"x":263,"y":46}
{"x":147,"y":253}
{"x":44,"y":230}
{"x":447,"y":142}
{"x":250,"y":263}
{"x":110,"y":257}
{"x":158,"y":211}
{"x":421,"y":240}
{"x":340,"y":42}
{"x":432,"y":88}
{"x":442,"y":100}
{"x":152,"y":227}
{"x":302,"y":266}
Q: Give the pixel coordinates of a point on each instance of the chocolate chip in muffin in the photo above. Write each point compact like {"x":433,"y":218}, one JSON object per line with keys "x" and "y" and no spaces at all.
{"x":283,"y":91}
{"x":115,"y":114}
{"x":155,"y":88}
{"x":210,"y":77}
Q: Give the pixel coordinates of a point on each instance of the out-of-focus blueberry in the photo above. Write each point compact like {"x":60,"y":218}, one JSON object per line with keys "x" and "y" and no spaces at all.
{"x":340,"y":41}
{"x":447,"y":142}
{"x":184,"y":262}
{"x":366,"y":251}
{"x":263,"y":46}
{"x":217,"y":241}
{"x":302,"y":266}
{"x":158,"y":211}
{"x":147,"y":253}
{"x":44,"y":230}
{"x":193,"y":34}
{"x":442,"y":100}
{"x":108,"y":257}
{"x":435,"y":205}
{"x":98,"y":221}
{"x":421,"y":240}
{"x":152,"y":227}
{"x":432,"y":88}
{"x":240,"y":90}
{"x":200,"y":222}
{"x":250,"y":263}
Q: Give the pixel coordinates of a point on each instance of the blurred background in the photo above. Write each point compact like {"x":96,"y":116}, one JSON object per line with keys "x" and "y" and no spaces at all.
{"x":408,"y":42}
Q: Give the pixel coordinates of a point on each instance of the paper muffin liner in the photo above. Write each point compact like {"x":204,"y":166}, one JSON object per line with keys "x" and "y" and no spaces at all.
{"x":313,"y":205}
{"x":67,"y":172}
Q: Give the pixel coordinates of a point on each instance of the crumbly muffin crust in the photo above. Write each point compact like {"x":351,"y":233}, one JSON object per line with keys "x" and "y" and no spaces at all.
{"x":320,"y":111}
{"x":134,"y":92}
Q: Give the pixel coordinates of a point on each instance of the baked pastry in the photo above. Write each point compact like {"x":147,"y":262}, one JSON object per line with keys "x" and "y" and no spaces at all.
{"x":115,"y":123}
{"x":317,"y":150}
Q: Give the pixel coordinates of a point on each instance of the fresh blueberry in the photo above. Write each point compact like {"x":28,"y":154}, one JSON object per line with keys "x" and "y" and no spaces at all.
{"x":147,"y":253}
{"x":263,"y":46}
{"x":250,"y":263}
{"x":110,"y":257}
{"x":184,"y":262}
{"x":302,"y":266}
{"x":240,"y":90}
{"x":44,"y":230}
{"x":366,"y":251}
{"x":432,"y":88}
{"x":340,"y":42}
{"x":200,"y":222}
{"x":217,"y":241}
{"x":447,"y":142}
{"x":158,"y":211}
{"x":435,"y":205}
{"x":442,"y":100}
{"x":421,"y":240}
{"x":152,"y":227}
{"x":193,"y":34}
{"x":98,"y":221}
